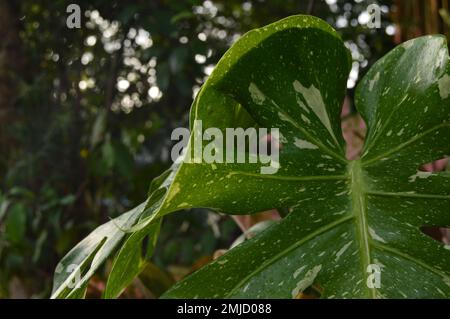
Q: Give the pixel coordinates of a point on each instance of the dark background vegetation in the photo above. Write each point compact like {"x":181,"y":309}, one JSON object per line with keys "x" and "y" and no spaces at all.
{"x":86,"y":116}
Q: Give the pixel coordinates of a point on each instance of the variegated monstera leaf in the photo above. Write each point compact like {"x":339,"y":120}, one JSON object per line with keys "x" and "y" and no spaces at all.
{"x":354,"y":227}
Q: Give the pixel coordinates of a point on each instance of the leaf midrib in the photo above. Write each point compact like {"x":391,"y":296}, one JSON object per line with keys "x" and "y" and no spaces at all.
{"x":265,"y":264}
{"x":359,"y":208}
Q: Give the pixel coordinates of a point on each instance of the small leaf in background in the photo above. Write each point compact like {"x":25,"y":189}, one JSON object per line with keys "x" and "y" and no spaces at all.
{"x":15,"y":224}
{"x":4,"y":203}
{"x":67,"y":200}
{"x":108,"y":153}
{"x":98,"y":130}
{"x":38,"y":246}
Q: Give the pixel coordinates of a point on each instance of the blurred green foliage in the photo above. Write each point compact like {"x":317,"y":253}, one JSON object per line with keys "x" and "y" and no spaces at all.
{"x":95,"y":108}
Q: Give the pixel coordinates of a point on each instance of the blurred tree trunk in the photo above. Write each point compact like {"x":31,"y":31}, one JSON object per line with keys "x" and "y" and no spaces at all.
{"x":10,"y":66}
{"x":417,"y":17}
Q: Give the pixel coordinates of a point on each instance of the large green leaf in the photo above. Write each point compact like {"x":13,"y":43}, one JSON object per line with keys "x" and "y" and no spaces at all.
{"x":346,"y":217}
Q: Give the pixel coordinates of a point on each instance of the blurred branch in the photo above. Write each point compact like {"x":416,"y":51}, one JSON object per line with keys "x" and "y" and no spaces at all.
{"x":10,"y":65}
{"x":311,"y":4}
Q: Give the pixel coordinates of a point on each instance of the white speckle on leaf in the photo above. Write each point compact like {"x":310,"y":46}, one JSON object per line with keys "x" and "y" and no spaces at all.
{"x":302,"y":105}
{"x":314,"y":99}
{"x":298,"y":271}
{"x":222,"y":262}
{"x":419,"y":174}
{"x":302,"y":144}
{"x":447,"y":281}
{"x":375,"y":80}
{"x":257,"y":96}
{"x":374,"y":235}
{"x":440,"y":291}
{"x":305,"y":119}
{"x":282,"y":138}
{"x":342,"y":250}
{"x":444,"y":86}
{"x":307,"y":281}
